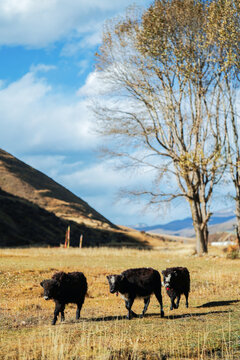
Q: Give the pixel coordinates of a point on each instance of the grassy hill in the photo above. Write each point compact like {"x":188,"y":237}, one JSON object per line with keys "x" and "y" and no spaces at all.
{"x":23,"y":223}
{"x":35,"y":210}
{"x":20,"y":179}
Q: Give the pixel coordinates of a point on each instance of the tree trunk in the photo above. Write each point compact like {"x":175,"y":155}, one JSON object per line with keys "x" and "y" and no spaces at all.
{"x":238,"y":232}
{"x":238,"y":215}
{"x":201,"y":239}
{"x":201,"y":228}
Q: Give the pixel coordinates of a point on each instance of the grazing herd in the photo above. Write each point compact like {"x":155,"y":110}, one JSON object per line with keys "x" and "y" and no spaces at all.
{"x":65,"y":288}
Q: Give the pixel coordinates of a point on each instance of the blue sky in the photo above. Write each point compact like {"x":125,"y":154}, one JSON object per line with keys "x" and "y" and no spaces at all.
{"x":47,"y":52}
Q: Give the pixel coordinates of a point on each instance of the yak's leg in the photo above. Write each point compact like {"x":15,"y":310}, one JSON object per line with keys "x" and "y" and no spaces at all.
{"x":62,"y":312}
{"x":79,"y":307}
{"x":158,"y":295}
{"x":178,"y":300}
{"x":186,"y":296}
{"x":128,"y":304}
{"x":56,"y":312}
{"x":146,"y":303}
{"x":173,"y":305}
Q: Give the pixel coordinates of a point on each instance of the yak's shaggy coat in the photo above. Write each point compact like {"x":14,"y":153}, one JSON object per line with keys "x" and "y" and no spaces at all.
{"x":65,"y":288}
{"x":176,"y":281}
{"x":133,"y":283}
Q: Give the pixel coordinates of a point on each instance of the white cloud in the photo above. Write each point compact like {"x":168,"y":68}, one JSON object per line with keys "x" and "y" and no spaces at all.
{"x":92,"y":85}
{"x":83,"y":66}
{"x":89,"y":41}
{"x":99,"y":176}
{"x":98,"y":184}
{"x":40,"y":23}
{"x":95,"y":85}
{"x":34,"y":117}
{"x":49,"y":164}
{"x":41,"y":68}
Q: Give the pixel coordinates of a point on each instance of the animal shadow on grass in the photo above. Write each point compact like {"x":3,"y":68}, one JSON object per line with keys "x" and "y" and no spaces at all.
{"x":83,"y":319}
{"x":115,"y":318}
{"x":169,"y":317}
{"x":122,"y":317}
{"x":218,"y":303}
{"x":190,"y":315}
{"x":106,"y":318}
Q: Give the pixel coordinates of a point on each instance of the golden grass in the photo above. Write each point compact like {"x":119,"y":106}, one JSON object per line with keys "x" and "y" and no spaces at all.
{"x":208,"y":329}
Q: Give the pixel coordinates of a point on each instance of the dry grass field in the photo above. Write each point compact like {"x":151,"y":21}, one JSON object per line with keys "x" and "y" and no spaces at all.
{"x":208,"y":329}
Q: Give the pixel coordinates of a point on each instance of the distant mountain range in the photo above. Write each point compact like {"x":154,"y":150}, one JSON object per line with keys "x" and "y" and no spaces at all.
{"x":220,"y":222}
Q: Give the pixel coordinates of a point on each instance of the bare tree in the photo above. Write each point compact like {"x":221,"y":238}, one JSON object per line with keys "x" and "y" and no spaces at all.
{"x":165,"y":105}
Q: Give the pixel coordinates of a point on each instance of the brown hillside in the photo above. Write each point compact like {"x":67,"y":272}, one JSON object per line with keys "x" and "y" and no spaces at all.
{"x":35,"y":210}
{"x":20,"y":179}
{"x":23,"y":223}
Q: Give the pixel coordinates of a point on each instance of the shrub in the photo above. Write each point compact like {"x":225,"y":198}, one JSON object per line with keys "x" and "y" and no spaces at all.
{"x":233,"y":252}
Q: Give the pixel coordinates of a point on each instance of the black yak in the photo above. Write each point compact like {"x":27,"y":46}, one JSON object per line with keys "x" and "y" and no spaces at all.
{"x":65,"y":288}
{"x":176,"y":281}
{"x":137,"y":283}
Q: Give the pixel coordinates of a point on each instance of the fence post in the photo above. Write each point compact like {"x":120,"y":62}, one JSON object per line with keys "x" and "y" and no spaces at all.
{"x":81,"y":240}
